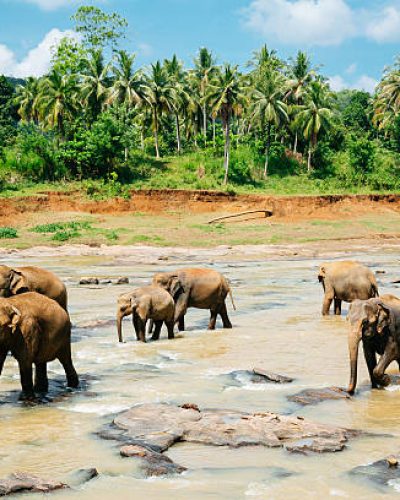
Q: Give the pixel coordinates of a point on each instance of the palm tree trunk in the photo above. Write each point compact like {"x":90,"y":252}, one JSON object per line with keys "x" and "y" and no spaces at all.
{"x":295,"y":143}
{"x":156,"y":133}
{"x":205,"y":124}
{"x":214,"y":132}
{"x":226,"y":151}
{"x":266,"y":165}
{"x":309,"y":157}
{"x":178,"y":134}
{"x":142,"y":138}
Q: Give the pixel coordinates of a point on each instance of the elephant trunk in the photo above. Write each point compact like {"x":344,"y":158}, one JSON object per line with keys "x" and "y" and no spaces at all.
{"x":354,"y":341}
{"x":120,"y":315}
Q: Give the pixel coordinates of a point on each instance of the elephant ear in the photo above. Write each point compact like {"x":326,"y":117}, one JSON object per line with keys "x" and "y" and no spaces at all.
{"x":175,"y":287}
{"x":31,"y":334}
{"x":385,"y":319}
{"x":18,"y":283}
{"x":321,"y":273}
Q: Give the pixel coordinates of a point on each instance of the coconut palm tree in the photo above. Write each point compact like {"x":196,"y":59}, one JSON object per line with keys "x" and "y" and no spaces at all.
{"x":27,"y":99}
{"x":159,"y":94}
{"x":387,"y":100}
{"x":315,"y":115}
{"x":226,"y":93}
{"x":268,"y":106}
{"x":57,"y":100}
{"x":95,"y":83}
{"x":300,"y":75}
{"x":128,"y":84}
{"x":204,"y":71}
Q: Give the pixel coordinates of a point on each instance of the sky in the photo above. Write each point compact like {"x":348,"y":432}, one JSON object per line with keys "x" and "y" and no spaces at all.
{"x":350,"y":40}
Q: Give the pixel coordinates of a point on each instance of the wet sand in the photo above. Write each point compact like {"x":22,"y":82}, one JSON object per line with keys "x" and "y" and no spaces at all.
{"x":277,"y":326}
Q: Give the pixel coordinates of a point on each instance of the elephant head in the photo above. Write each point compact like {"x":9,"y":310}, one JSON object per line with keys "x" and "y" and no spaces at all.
{"x":124,"y":308}
{"x":12,"y":282}
{"x":170,"y":282}
{"x":368,"y":318}
{"x":322,"y":275}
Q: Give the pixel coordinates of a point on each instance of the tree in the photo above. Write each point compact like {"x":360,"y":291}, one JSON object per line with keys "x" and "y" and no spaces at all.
{"x":204,"y":71}
{"x":225,"y":95}
{"x":8,"y":110}
{"x":387,"y":100}
{"x":268,"y":107}
{"x":98,"y":28}
{"x":128,"y":86}
{"x":95,"y":83}
{"x":315,"y":115}
{"x":159,"y":94}
{"x":27,"y":100}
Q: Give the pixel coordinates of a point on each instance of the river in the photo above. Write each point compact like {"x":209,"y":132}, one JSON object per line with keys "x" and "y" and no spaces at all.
{"x":277,"y":326}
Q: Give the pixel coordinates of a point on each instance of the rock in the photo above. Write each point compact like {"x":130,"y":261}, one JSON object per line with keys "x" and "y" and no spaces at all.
{"x":153,"y":428}
{"x":81,"y":476}
{"x":163,"y":257}
{"x":20,"y":482}
{"x":315,"y":396}
{"x":380,"y":271}
{"x":272,"y":377}
{"x":106,"y":281}
{"x":122,"y":280}
{"x":153,"y":463}
{"x":89,"y":281}
{"x":382,"y":472}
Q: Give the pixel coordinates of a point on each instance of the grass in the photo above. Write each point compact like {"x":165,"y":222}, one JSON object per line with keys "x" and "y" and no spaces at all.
{"x":59,"y":227}
{"x":8,"y":233}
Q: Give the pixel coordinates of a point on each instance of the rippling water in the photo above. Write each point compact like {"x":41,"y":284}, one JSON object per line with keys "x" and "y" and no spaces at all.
{"x":277,"y":326}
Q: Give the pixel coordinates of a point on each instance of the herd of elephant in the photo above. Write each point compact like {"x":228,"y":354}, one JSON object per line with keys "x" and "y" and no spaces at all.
{"x":35,"y":325}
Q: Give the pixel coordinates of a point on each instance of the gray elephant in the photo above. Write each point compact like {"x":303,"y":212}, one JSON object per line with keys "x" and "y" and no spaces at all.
{"x":149,"y":302}
{"x":14,"y":281}
{"x":375,"y":322}
{"x":200,"y":288}
{"x":36,"y":330}
{"x":346,"y":281}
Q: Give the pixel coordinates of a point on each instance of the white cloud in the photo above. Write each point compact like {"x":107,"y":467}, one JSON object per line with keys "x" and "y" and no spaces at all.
{"x":385,"y":25}
{"x":364,"y":82}
{"x":52,"y":4}
{"x":313,"y":22}
{"x":350,"y":70}
{"x":37,"y":60}
{"x":145,"y":49}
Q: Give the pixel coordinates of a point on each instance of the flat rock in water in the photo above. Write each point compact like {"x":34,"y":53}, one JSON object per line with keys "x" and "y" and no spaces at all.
{"x":122,"y":280}
{"x":89,"y":281}
{"x":272,"y":377}
{"x":382,"y":472}
{"x":156,"y":427}
{"x":153,"y":462}
{"x":22,"y":483}
{"x":315,"y":396}
{"x":258,"y":376}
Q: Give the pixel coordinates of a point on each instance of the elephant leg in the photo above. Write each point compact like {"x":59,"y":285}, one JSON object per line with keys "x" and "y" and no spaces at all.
{"x":181,"y":324}
{"x":327,"y":303}
{"x":3,"y":355}
{"x":157,"y":330}
{"x":66,"y":360}
{"x":213,"y":319}
{"x":151,"y":326}
{"x":338,"y":307}
{"x":390,"y":354}
{"x":224,"y":316}
{"x":170,"y":328}
{"x":141,"y":324}
{"x":180,"y":308}
{"x":370,"y":358}
{"x":25,"y":371}
{"x":136,"y":325}
{"x":41,"y":380}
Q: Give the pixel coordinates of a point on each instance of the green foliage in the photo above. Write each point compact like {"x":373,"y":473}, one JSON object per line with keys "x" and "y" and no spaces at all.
{"x":65,"y":234}
{"x":55,"y":227}
{"x":361,"y":154}
{"x":8,"y":232}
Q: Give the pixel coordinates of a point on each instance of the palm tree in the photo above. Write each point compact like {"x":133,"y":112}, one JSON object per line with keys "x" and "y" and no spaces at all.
{"x":27,"y":99}
{"x":387,"y":101}
{"x":225,"y":95}
{"x":128,"y":85}
{"x":300,"y":75}
{"x":204,"y":71}
{"x":268,"y":107}
{"x":57,"y":100}
{"x":315,"y":115}
{"x":160,"y":94}
{"x":265,"y":57}
{"x":95,"y":82}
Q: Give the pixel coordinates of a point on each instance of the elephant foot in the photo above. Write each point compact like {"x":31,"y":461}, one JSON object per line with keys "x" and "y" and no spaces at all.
{"x":27,"y":397}
{"x":42,"y":389}
{"x":384,"y":381}
{"x":228,"y":326}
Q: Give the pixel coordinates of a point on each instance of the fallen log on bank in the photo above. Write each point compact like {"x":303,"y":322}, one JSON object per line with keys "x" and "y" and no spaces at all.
{"x":267,"y":213}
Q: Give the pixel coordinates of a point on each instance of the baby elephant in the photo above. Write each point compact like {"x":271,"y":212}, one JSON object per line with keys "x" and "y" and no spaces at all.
{"x":36,"y":330}
{"x":375,"y":322}
{"x":148,"y":302}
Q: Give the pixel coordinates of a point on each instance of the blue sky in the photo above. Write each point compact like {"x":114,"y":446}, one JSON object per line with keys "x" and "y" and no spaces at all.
{"x":351,"y":39}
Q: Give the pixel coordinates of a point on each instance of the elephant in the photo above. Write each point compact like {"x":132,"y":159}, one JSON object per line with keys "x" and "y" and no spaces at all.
{"x":148,"y":302}
{"x":14,"y":281}
{"x":200,"y":288}
{"x":36,"y":330}
{"x":346,"y":281}
{"x":376,"y":322}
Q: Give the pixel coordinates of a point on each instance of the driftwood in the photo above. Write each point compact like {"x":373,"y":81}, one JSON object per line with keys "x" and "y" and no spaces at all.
{"x":267,"y":213}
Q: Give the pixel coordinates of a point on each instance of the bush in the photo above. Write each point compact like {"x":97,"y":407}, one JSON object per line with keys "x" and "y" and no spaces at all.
{"x":361,"y":154}
{"x":61,"y":226}
{"x":8,"y":232}
{"x":65,"y":235}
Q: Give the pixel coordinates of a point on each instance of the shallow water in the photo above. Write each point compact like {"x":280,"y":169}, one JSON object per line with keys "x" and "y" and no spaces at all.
{"x":277,"y":326}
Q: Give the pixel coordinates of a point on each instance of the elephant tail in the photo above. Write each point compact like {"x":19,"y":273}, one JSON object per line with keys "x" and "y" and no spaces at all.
{"x":231,"y":296}
{"x":375,"y":290}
